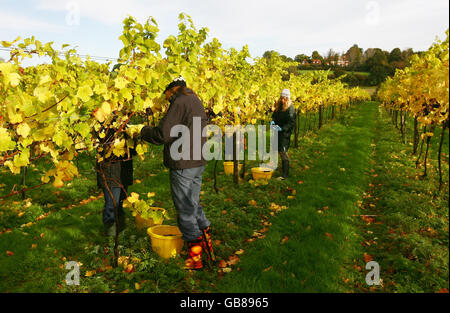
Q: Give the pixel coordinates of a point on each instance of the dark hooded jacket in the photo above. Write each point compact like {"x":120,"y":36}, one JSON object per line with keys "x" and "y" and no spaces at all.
{"x":286,"y":120}
{"x":184,"y":107}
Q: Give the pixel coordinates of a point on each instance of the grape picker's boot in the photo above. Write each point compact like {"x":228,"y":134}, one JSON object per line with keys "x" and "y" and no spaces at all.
{"x":195,"y":249}
{"x":207,"y":243}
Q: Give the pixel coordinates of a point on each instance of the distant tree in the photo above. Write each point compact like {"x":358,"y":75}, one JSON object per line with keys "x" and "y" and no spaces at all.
{"x":301,"y":57}
{"x":286,"y":58}
{"x":368,"y":54}
{"x":395,"y":55}
{"x":355,"y":55}
{"x":379,"y":73}
{"x":268,"y":54}
{"x":351,"y":79}
{"x":378,"y":58}
{"x":338,"y":72}
{"x":406,"y":54}
{"x":316,"y":56}
{"x":331,"y":56}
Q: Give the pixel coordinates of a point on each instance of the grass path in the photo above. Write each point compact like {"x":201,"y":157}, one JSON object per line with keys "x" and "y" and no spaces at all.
{"x":308,"y":244}
{"x":405,"y":222}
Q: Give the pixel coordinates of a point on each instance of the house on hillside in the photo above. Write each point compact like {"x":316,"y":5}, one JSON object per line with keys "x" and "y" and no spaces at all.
{"x":342,"y":61}
{"x":317,"y":62}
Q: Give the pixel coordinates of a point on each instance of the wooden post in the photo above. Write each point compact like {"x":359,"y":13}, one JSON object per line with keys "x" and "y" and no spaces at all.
{"x":440,"y":152}
{"x":416,"y":136}
{"x":320,"y":116}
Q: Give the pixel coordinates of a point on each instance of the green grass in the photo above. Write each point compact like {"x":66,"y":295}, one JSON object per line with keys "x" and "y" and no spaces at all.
{"x":409,"y":234}
{"x":304,"y":250}
{"x":310,"y":261}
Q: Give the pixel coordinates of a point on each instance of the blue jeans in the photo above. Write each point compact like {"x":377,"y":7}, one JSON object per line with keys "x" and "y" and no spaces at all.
{"x":108,"y":210}
{"x":186,"y":185}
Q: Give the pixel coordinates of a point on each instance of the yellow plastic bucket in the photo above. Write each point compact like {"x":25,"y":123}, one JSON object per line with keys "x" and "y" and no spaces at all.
{"x":262,"y":173}
{"x":166,"y":240}
{"x":229,"y":167}
{"x":142,"y":223}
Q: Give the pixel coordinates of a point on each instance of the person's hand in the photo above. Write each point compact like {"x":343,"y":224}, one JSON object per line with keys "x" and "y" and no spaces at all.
{"x":272,"y":124}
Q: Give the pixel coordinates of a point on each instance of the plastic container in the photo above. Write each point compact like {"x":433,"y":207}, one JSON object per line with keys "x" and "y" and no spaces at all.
{"x":142,"y":223}
{"x":166,"y":240}
{"x":262,"y":173}
{"x":229,"y":167}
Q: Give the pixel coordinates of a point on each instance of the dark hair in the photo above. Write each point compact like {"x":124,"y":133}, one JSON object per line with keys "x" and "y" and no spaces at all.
{"x":185,"y":91}
{"x":175,"y":83}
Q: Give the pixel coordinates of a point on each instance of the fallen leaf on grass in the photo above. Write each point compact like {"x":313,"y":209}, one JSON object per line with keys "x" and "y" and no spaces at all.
{"x":329,"y":236}
{"x":443,"y":290}
{"x":256,"y":234}
{"x":233,"y":260}
{"x":267,"y":269}
{"x":368,"y":219}
{"x":137,"y":286}
{"x":367,"y":257}
{"x":226,"y":269}
{"x":9,"y":253}
{"x":239,"y":252}
{"x":252,"y":203}
{"x":224,"y":212}
{"x":33,"y":246}
{"x":90,"y":273}
{"x":284,"y":239}
{"x":300,"y":182}
{"x":218,"y":242}
{"x":222,"y":264}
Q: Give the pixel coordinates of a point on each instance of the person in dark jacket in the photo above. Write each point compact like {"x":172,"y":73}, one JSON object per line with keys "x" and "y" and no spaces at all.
{"x":186,"y":112}
{"x":283,"y":119}
{"x":119,"y":176}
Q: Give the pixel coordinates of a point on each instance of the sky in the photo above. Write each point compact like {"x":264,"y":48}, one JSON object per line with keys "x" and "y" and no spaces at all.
{"x":290,"y":27}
